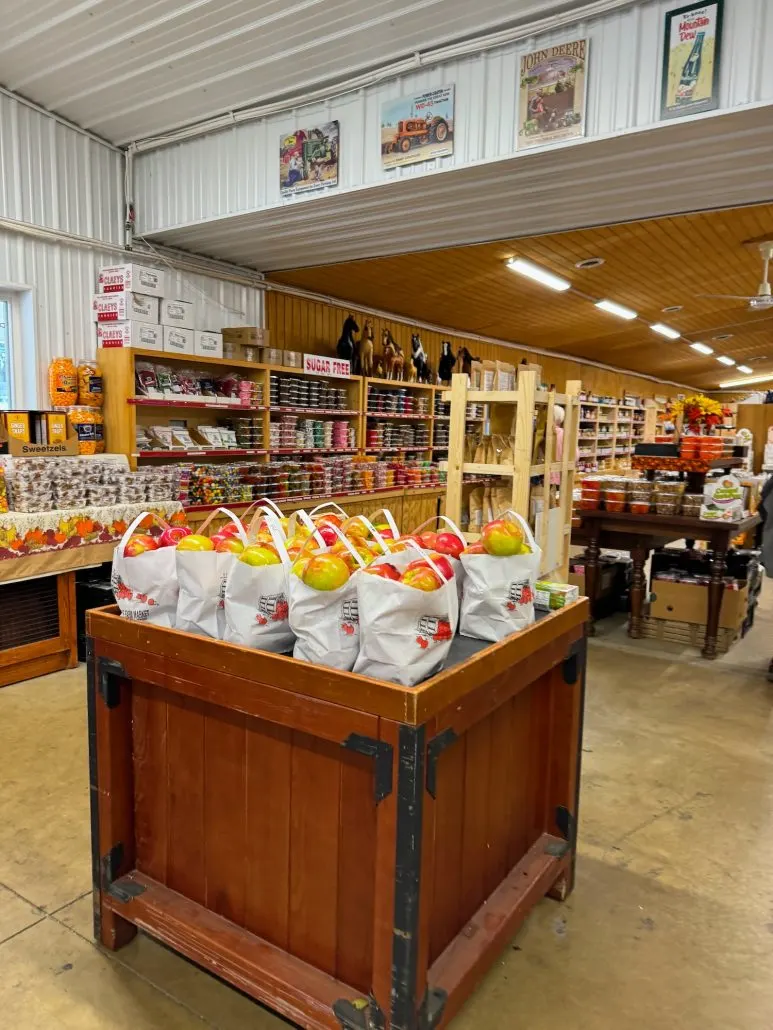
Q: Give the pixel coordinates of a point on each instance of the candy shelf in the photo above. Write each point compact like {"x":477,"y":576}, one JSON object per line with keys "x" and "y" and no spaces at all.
{"x":153,"y":402}
{"x":337,"y":412}
{"x":225,"y":452}
{"x":312,"y":450}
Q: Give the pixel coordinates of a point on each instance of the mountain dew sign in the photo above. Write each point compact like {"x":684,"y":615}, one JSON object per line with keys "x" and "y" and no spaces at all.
{"x":691,"y":56}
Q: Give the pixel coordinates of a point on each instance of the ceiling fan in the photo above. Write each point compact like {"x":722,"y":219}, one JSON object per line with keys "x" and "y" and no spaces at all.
{"x":763,"y":298}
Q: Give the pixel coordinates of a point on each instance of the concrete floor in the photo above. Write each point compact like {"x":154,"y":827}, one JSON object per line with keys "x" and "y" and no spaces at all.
{"x":670,"y":925}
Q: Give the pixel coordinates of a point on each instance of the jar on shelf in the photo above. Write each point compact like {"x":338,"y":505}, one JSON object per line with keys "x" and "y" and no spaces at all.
{"x":90,"y":391}
{"x":88,"y":424}
{"x":62,"y":383}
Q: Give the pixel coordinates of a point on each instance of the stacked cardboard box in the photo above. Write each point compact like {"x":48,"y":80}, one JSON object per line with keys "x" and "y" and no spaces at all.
{"x":131,"y":309}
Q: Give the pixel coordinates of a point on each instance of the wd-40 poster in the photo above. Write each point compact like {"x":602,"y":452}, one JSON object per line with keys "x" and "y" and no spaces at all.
{"x":691,"y":54}
{"x":417,"y":128}
{"x":551,"y":95}
{"x":308,"y":159}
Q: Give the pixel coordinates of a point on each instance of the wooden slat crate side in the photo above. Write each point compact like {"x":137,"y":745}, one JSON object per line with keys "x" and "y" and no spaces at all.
{"x":225,"y":805}
{"x":185,"y":783}
{"x":151,"y":799}
{"x":446,"y":919}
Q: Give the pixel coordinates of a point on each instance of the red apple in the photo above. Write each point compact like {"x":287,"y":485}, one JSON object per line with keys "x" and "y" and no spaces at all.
{"x":439,"y":560}
{"x":229,"y":529}
{"x":385,"y":571}
{"x":172,"y":536}
{"x":257,"y":554}
{"x":476,"y":548}
{"x":327,"y":533}
{"x":326,"y":572}
{"x":383,"y":530}
{"x":423,"y":578}
{"x":502,"y":537}
{"x":331,"y":520}
{"x":229,"y":543}
{"x":449,"y":543}
{"x":139,"y":543}
{"x":195,"y":542}
{"x":428,"y":540}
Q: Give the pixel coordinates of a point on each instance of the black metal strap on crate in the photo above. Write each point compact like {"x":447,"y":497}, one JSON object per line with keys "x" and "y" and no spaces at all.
{"x":383,"y":754}
{"x":110,"y":673}
{"x":435,"y":749}
{"x":574,"y":663}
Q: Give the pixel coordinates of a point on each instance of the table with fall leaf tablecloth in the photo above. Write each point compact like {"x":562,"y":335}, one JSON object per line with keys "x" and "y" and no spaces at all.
{"x":23,"y":534}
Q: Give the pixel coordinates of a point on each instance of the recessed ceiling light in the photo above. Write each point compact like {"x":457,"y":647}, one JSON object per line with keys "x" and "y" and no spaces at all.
{"x":702,"y":348}
{"x":724,"y":360}
{"x":665,"y":330}
{"x":590,"y":263}
{"x":723,"y":336}
{"x":672,"y":310}
{"x":616,"y":309}
{"x":747,"y":382}
{"x":745,"y":369}
{"x":539,"y":275}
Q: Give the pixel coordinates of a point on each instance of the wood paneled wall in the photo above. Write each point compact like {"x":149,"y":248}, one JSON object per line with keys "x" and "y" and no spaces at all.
{"x":313,"y":327}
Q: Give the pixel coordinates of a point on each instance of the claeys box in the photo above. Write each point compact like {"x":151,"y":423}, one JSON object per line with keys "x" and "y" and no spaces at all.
{"x":132,"y":278}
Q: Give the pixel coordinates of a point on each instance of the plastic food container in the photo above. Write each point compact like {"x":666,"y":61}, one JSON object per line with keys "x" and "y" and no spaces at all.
{"x":614,"y":495}
{"x":589,"y":503}
{"x":667,"y":508}
{"x":639,"y":507}
{"x":62,"y":383}
{"x":673,"y":487}
{"x":690,"y":447}
{"x":89,"y":426}
{"x":614,"y":505}
{"x":89,"y":383}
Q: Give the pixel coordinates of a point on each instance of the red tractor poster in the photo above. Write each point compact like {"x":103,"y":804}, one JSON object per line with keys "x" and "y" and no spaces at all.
{"x":418,"y":128}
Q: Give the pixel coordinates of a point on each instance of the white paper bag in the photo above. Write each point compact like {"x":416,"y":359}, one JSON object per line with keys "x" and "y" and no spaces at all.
{"x":456,"y":564}
{"x":202,"y":577}
{"x":498,"y":593}
{"x":405,"y":633}
{"x":325,"y":622}
{"x":256,"y":604}
{"x":145,"y":587}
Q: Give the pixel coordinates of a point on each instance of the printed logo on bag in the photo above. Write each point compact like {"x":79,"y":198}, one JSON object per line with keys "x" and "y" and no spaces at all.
{"x":519,"y":593}
{"x":221,"y":592}
{"x":350,"y":617}
{"x":432,"y":630}
{"x":122,"y":592}
{"x":272,"y":608}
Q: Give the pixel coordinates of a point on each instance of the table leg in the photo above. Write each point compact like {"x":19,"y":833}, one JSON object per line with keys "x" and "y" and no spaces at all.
{"x":638,"y":590}
{"x":716,"y":589}
{"x":592,"y":553}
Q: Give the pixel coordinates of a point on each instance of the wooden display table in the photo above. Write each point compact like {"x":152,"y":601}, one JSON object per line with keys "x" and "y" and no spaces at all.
{"x":641,"y":534}
{"x":349,"y":852}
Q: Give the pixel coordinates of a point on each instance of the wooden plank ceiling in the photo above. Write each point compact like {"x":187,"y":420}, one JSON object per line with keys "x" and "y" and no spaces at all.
{"x":648,"y":266}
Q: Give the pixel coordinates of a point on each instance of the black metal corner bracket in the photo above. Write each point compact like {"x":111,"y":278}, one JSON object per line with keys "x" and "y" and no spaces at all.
{"x":435,"y":749}
{"x":432,"y":1008}
{"x":567,"y":825}
{"x":360,"y":1014}
{"x":110,"y":865}
{"x":575,"y":660}
{"x":382,"y":753}
{"x":109,"y":675}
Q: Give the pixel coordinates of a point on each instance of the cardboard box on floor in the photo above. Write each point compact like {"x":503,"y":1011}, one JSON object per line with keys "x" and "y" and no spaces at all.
{"x":689,"y":602}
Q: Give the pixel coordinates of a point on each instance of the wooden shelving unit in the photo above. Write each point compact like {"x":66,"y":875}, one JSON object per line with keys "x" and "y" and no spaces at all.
{"x":608,"y":433}
{"x":514,"y":415}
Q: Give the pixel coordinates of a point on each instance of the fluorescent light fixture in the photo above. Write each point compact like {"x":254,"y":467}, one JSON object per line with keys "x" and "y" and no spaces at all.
{"x":702,"y":348}
{"x":747,"y":382}
{"x":539,"y":275}
{"x":745,"y":369}
{"x":616,"y":309}
{"x":723,"y":360}
{"x":665,"y":330}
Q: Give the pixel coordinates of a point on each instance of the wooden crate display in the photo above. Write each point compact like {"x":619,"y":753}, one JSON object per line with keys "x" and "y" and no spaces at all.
{"x":520,"y":417}
{"x":353,"y":853}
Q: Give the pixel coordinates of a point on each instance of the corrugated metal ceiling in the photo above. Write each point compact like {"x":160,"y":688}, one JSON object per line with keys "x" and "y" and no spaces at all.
{"x":720,"y":161}
{"x":127,"y":71}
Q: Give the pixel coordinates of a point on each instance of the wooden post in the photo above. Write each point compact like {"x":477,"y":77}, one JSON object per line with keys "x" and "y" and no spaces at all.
{"x":456,"y":447}
{"x":524,"y":438}
{"x":568,"y":465}
{"x":550,"y":432}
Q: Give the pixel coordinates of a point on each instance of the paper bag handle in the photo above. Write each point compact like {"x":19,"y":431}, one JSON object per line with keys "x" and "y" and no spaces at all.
{"x":441,"y":518}
{"x":140,"y":518}
{"x":447,"y":583}
{"x":524,"y":525}
{"x":390,"y":520}
{"x":372,"y":529}
{"x":329,"y":504}
{"x":275,"y":529}
{"x":205,"y":524}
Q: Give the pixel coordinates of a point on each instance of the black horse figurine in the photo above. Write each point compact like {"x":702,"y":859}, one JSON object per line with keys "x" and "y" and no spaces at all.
{"x":346,"y":346}
{"x":419,"y":359}
{"x":447,"y":361}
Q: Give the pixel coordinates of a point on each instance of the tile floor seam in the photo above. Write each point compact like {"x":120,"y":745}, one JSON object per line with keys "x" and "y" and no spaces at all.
{"x":24,"y":929}
{"x":113,"y":956}
{"x":38,"y":908}
{"x":67,"y":904}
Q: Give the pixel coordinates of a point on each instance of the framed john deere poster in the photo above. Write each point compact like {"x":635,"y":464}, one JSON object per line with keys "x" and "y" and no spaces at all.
{"x":551,"y":94}
{"x":691,"y":57}
{"x":417,"y":128}
{"x":308,"y":159}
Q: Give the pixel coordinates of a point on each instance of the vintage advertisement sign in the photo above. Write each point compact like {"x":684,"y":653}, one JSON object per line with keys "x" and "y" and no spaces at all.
{"x":325,"y":366}
{"x":691,"y":55}
{"x":551,"y":95}
{"x":308,"y":159}
{"x":417,"y":128}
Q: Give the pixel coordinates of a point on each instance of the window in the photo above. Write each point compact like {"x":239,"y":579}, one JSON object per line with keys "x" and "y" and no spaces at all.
{"x":6,"y":354}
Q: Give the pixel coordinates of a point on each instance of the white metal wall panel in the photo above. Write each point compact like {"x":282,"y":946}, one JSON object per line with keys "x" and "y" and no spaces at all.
{"x":237,"y":171}
{"x":53,"y":176}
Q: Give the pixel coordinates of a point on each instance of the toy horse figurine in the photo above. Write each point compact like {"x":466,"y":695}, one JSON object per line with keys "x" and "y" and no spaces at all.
{"x":389,"y":354}
{"x":446,"y":364}
{"x":419,"y":360}
{"x":466,"y":359}
{"x":365,"y":349}
{"x":345,"y":348}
